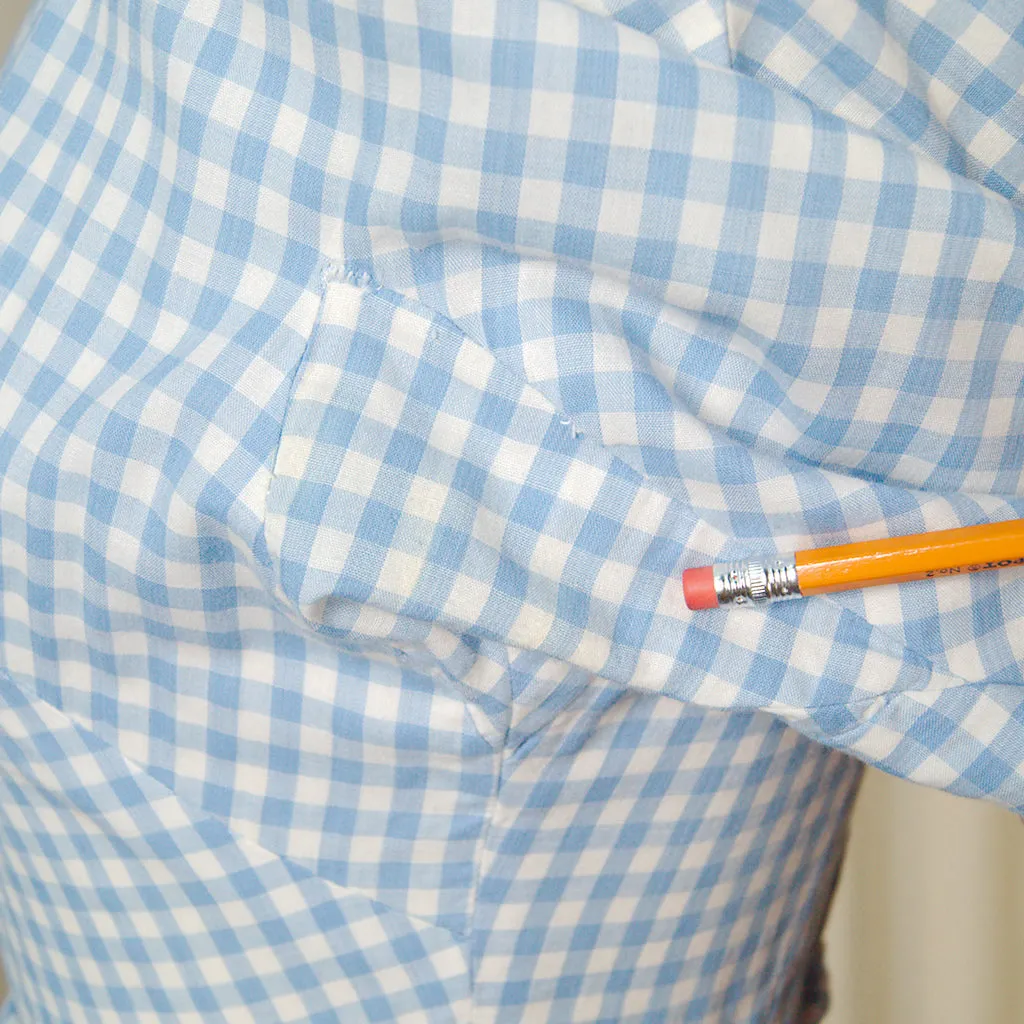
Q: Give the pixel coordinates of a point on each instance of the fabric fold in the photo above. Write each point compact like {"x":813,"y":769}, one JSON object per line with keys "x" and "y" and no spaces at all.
{"x":426,"y":497}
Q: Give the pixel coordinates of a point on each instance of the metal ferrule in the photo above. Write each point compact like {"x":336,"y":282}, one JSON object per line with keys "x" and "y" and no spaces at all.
{"x":756,"y":581}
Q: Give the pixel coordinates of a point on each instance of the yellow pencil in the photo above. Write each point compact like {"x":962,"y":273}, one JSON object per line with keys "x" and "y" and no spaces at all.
{"x":865,"y":564}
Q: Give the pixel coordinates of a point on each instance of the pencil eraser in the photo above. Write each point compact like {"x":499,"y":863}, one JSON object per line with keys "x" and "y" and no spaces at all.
{"x":699,"y":588}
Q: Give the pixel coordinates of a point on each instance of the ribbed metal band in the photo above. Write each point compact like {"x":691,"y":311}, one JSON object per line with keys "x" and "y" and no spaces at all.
{"x":756,"y":581}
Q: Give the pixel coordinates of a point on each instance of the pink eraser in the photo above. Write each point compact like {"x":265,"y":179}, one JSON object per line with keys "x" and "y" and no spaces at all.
{"x":699,"y":588}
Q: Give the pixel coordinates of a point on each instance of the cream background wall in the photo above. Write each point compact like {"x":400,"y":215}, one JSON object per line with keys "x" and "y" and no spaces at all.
{"x":11,"y":14}
{"x":928,"y":923}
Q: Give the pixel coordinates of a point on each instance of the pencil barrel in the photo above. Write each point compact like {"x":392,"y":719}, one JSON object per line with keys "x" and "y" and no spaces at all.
{"x":965,"y":550}
{"x":946,"y":572}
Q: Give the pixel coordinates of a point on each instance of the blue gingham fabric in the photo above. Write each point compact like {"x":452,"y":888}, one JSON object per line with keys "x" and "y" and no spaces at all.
{"x":368,"y":374}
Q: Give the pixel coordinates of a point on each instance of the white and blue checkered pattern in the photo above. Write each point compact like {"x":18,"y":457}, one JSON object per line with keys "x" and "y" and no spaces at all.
{"x":368,"y":373}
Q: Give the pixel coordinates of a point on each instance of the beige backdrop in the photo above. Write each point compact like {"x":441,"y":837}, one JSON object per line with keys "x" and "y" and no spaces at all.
{"x":928,"y":924}
{"x":11,"y":14}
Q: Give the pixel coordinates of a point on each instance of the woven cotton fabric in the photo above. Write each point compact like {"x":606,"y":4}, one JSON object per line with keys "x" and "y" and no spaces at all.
{"x":369,"y":372}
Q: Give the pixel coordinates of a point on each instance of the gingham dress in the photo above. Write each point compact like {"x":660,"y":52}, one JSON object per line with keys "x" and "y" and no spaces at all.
{"x":368,"y":373}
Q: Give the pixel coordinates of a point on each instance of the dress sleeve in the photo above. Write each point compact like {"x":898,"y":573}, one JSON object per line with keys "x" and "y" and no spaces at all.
{"x":606,"y":308}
